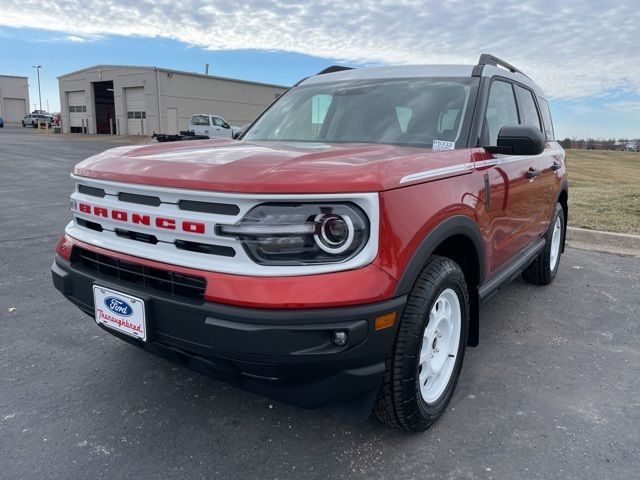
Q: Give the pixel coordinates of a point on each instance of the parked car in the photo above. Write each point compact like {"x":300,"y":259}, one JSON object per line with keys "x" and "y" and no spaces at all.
{"x":211,"y":126}
{"x":33,"y":118}
{"x":237,"y":134}
{"x":338,"y":254}
{"x":1,"y":122}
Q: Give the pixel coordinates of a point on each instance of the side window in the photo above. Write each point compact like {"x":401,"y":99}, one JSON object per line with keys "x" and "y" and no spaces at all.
{"x":319,"y":107}
{"x":546,"y":119}
{"x":528,"y":110}
{"x":447,"y":120}
{"x":218,"y":122}
{"x":404,"y":115}
{"x":501,"y":109}
{"x":200,"y":120}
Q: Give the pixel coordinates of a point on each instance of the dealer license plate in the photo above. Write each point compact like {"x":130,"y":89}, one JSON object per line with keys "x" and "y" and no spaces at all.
{"x":120,"y":312}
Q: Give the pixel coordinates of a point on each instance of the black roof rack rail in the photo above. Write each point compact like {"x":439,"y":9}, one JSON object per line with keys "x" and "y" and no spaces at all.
{"x":331,"y":69}
{"x":334,"y":68}
{"x":487,"y":59}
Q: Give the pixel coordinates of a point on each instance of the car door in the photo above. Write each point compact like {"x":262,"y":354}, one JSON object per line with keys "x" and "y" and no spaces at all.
{"x":221,"y":128}
{"x":552,"y":163}
{"x":510,"y":189}
{"x":540,"y":202}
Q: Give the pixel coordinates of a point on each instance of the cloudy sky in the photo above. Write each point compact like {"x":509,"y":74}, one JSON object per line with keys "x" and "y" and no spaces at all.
{"x":585,"y":54}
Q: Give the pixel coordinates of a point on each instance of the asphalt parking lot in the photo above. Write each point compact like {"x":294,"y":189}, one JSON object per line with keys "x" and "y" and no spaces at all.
{"x":553,"y":390}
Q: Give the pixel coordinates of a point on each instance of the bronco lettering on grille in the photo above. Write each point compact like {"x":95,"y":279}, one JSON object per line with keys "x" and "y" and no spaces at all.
{"x":167,"y":223}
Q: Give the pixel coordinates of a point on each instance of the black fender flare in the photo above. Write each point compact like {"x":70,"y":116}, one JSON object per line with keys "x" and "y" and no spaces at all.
{"x":454,"y":225}
{"x":564,"y":188}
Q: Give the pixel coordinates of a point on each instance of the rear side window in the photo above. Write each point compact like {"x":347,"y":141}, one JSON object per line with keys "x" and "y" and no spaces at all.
{"x":501,"y":109}
{"x":200,"y":120}
{"x":528,"y":110}
{"x":404,"y":117}
{"x":546,"y":118}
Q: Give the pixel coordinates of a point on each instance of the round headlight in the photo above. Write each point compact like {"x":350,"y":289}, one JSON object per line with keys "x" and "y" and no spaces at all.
{"x":301,"y":233}
{"x":336,"y":232}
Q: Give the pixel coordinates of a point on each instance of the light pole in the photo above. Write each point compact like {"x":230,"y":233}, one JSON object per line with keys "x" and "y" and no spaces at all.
{"x":38,"y":67}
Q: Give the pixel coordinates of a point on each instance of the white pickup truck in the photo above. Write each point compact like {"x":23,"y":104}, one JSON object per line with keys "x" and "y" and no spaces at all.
{"x":211,"y":126}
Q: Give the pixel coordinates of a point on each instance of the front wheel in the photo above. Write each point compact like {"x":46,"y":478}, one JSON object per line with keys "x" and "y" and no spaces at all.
{"x":423,"y":369}
{"x":23,"y":125}
{"x":544,"y":268}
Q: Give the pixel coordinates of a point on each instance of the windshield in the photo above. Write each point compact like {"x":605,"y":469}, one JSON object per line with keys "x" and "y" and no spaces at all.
{"x":411,"y":112}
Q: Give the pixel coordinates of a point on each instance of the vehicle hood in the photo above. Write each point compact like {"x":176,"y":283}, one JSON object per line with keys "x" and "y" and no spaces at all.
{"x":267,"y":167}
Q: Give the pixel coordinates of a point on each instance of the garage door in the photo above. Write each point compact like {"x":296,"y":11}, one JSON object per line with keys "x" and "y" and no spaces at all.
{"x":14,"y":110}
{"x":77,"y":108}
{"x":136,"y":111}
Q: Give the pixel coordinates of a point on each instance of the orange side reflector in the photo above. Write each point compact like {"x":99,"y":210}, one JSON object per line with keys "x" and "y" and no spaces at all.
{"x":385,"y":321}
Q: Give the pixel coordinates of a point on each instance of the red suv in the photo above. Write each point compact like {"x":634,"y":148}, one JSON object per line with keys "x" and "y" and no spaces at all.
{"x":338,"y":253}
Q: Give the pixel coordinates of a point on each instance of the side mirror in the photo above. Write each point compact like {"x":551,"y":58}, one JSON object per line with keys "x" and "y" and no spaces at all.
{"x":237,"y":135}
{"x":519,"y":140}
{"x":226,"y":125}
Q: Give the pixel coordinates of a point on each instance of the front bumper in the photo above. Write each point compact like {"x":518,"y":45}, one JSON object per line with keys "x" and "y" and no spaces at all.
{"x":283,"y":354}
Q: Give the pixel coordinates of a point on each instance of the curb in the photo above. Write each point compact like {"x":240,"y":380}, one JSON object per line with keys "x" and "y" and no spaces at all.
{"x":620,"y":243}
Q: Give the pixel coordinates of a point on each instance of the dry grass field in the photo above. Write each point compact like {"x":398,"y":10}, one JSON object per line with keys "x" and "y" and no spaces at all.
{"x":604,"y":190}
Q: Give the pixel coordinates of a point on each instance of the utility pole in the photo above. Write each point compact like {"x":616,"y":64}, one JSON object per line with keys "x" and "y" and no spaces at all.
{"x":38,"y":67}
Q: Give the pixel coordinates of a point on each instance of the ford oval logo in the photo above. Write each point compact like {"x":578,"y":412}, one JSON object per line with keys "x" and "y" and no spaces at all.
{"x":118,"y":306}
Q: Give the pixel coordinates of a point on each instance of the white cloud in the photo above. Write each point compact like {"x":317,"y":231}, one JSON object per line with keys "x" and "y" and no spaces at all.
{"x":77,"y":39}
{"x":574,"y":48}
{"x":630,"y":106}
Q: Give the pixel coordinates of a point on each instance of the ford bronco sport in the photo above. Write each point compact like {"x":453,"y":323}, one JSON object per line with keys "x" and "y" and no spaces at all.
{"x":338,"y":253}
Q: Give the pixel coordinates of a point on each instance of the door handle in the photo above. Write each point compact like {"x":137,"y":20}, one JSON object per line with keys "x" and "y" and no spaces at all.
{"x":532,"y":172}
{"x":556,"y":166}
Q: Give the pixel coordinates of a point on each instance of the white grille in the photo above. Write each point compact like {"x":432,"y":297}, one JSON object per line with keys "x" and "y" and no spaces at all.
{"x":165,"y":250}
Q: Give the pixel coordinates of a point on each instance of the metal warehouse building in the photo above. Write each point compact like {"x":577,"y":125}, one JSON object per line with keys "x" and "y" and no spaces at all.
{"x":126,"y":100}
{"x":14,"y":98}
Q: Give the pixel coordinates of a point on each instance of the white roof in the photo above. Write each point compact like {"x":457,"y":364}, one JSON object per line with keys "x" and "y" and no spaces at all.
{"x":419,"y":71}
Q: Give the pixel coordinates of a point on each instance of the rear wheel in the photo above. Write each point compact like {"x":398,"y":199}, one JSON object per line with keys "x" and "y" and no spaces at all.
{"x":423,"y":369}
{"x":544,"y":268}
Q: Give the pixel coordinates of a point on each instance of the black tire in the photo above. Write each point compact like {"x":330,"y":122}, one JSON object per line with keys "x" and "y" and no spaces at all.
{"x":400,"y":402}
{"x":23,"y":125}
{"x":540,"y":271}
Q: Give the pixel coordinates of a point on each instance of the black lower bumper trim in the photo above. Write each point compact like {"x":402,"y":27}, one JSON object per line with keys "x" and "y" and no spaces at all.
{"x":283,"y":354}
